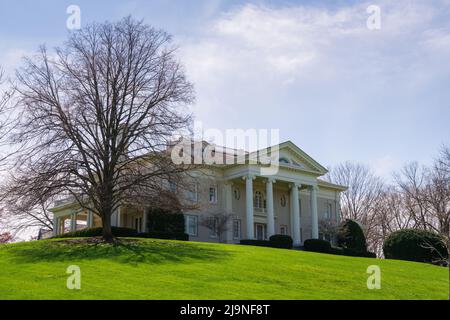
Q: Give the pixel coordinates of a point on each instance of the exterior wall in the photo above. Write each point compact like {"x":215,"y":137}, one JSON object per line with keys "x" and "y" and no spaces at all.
{"x":298,"y":170}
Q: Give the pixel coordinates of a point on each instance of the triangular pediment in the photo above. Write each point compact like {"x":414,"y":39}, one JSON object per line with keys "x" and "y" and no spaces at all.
{"x":292,"y":156}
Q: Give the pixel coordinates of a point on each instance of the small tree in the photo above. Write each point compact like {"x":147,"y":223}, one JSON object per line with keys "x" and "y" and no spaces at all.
{"x":218,"y":223}
{"x":6,"y":237}
{"x":329,"y":228}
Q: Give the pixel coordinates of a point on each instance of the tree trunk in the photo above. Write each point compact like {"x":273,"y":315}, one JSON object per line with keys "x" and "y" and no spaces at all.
{"x":107,"y":232}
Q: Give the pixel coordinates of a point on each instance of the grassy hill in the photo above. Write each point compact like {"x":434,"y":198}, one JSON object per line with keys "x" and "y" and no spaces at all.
{"x":158,"y":269}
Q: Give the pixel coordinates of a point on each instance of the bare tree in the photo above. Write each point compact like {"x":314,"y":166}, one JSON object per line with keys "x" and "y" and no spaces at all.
{"x":6,"y":237}
{"x":5,"y":115}
{"x":361,"y":198}
{"x":96,"y":117}
{"x":21,"y":217}
{"x":217,"y":223}
{"x":427,"y":196}
{"x":390,"y":215}
{"x":329,"y":228}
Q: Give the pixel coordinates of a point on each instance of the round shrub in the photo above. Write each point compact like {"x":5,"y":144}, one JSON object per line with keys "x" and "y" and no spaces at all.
{"x":281,"y":241}
{"x":414,"y":245}
{"x":351,"y":236}
{"x":317,"y":245}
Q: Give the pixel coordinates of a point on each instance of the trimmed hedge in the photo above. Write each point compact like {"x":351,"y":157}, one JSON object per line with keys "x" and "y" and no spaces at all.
{"x":160,"y":220}
{"x":259,"y":243}
{"x":414,"y":245}
{"x":97,"y":232}
{"x":281,"y":241}
{"x":125,"y":232}
{"x":323,"y":246}
{"x":275,"y":241}
{"x":317,"y":245}
{"x":165,"y":235}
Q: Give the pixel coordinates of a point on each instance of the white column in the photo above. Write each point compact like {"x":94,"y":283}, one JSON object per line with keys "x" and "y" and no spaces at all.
{"x":314,"y":216}
{"x":73,"y":222}
{"x":249,"y":206}
{"x":295,"y":214}
{"x":55,"y":226}
{"x":144,"y":220}
{"x":228,"y":196}
{"x":119,"y":213}
{"x":90,"y":219}
{"x":270,"y":213}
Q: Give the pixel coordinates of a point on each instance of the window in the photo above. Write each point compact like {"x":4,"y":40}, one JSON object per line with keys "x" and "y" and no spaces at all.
{"x":284,"y":160}
{"x":258,"y":200}
{"x":213,"y":195}
{"x":236,"y":229}
{"x":283,"y":229}
{"x":191,"y":225}
{"x":329,"y":211}
{"x":193,"y":192}
{"x":213,"y":222}
{"x":173,"y":186}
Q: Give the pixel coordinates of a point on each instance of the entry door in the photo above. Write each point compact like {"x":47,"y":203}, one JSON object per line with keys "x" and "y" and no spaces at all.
{"x":260,"y":231}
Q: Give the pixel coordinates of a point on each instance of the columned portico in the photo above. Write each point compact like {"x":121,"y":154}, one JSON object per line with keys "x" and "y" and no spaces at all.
{"x":270,"y":211}
{"x":314,"y":216}
{"x":249,"y":205}
{"x":295,"y":214}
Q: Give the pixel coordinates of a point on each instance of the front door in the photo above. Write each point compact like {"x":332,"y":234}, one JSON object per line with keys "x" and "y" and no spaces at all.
{"x":260,"y":231}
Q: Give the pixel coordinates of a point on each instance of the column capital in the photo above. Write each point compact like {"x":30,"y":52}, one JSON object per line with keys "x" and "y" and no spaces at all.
{"x":228,"y":182}
{"x":270,"y":180}
{"x":249,"y":176}
{"x":314,"y":188}
{"x":295,"y":185}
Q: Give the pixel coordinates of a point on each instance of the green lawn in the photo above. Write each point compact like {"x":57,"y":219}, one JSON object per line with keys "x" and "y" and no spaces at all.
{"x":158,"y":269}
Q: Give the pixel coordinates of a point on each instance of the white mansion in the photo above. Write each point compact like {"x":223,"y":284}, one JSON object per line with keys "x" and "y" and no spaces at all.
{"x":293,"y":201}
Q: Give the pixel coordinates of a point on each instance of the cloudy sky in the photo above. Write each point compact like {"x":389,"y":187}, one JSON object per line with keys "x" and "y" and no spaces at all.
{"x":312,"y":69}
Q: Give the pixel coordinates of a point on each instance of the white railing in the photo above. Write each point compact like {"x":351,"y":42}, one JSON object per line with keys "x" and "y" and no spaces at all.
{"x":260,"y":210}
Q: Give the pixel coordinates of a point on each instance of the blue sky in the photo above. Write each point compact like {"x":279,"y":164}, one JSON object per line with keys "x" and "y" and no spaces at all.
{"x":310,"y":68}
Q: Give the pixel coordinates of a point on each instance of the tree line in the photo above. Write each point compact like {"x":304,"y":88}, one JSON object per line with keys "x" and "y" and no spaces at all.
{"x":418,"y":197}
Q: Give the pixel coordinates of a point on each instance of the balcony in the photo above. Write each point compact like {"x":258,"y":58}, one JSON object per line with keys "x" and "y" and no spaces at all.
{"x":260,"y":211}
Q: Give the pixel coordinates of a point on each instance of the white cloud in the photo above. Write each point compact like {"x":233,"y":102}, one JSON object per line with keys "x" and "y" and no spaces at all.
{"x":256,"y":57}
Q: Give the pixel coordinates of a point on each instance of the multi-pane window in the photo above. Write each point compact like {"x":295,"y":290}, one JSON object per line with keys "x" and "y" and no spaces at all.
{"x":283,"y":229}
{"x":259,"y":201}
{"x":212,"y":194}
{"x":236,"y":229}
{"x":329,"y":211}
{"x":191,"y":225}
{"x":193,"y":192}
{"x":173,"y":186}
{"x":213,"y":222}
